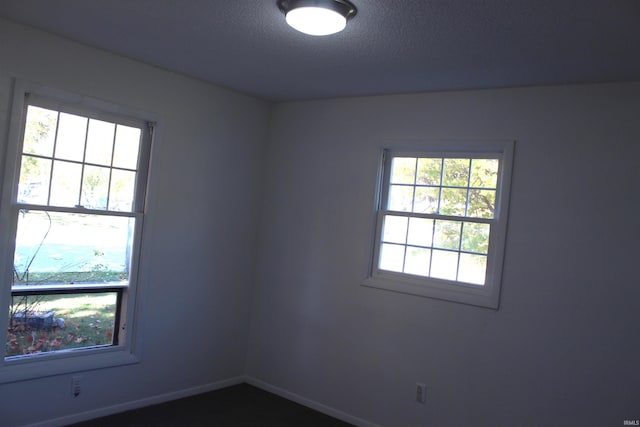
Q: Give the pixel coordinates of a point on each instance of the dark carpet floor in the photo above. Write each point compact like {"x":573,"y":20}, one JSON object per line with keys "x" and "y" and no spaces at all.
{"x":237,"y":406}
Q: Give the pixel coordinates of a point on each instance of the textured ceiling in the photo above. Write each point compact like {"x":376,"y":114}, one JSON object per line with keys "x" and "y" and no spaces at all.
{"x":391,"y":46}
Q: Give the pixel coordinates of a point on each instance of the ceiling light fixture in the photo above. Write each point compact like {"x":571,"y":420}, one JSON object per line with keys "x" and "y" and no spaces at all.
{"x":317,"y":17}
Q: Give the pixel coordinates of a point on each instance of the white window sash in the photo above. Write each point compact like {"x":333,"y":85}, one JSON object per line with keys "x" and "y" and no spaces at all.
{"x":57,"y":362}
{"x":486,"y":295}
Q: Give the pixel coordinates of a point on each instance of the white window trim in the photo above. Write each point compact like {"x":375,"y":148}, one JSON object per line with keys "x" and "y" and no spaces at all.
{"x":487,"y":295}
{"x":46,"y":364}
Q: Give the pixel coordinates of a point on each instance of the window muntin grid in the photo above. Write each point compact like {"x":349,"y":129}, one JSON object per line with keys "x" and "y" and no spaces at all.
{"x":76,"y":161}
{"x":437,"y":216}
{"x":447,"y":186}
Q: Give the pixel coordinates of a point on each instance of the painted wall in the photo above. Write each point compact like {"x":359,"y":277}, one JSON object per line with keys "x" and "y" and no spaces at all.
{"x":203,"y":212}
{"x":563,"y":347}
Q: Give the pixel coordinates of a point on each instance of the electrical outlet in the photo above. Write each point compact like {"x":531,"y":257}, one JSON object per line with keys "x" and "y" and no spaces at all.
{"x":421,"y":393}
{"x":75,"y":385}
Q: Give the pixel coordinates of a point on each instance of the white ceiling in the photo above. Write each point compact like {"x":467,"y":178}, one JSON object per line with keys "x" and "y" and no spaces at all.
{"x":391,"y":46}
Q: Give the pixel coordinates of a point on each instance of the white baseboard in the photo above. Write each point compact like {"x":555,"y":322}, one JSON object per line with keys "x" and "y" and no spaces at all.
{"x":127,"y":406}
{"x":166,"y":397}
{"x":335,"y":413}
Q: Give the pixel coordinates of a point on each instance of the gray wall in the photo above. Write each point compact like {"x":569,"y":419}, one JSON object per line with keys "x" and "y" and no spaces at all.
{"x":563,"y":348}
{"x":204,"y":198}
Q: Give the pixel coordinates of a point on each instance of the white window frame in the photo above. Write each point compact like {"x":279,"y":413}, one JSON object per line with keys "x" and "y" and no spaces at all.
{"x":124,"y":351}
{"x":487,"y":295}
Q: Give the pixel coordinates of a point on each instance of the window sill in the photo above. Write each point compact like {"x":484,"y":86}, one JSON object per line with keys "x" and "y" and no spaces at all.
{"x":480,"y":296}
{"x":45,"y":365}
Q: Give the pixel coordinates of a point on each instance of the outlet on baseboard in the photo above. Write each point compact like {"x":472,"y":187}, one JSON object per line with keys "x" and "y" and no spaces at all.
{"x":421,"y":393}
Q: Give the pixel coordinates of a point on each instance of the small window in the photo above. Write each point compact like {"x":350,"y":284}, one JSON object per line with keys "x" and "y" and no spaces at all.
{"x":441,"y":224}
{"x":75,"y":221}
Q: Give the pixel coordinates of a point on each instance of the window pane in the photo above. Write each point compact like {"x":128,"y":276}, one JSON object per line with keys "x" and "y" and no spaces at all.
{"x":44,"y":323}
{"x":95,"y":187}
{"x":482,"y":203}
{"x":447,"y":235}
{"x":484,"y":173}
{"x":400,"y":198}
{"x":444,"y":265}
{"x":72,"y":131}
{"x":65,"y":248}
{"x":429,"y":171}
{"x":453,"y":201}
{"x":65,"y":184}
{"x":475,"y":237}
{"x":417,"y":261}
{"x":420,"y":231}
{"x":473,"y":269}
{"x":438,"y":216}
{"x":34,"y":180}
{"x":394,"y":229}
{"x":456,"y":172}
{"x":127,"y":147}
{"x":426,"y":199}
{"x":122,"y":190}
{"x":100,"y":142}
{"x":403,"y":170}
{"x":40,"y":131}
{"x":391,"y":257}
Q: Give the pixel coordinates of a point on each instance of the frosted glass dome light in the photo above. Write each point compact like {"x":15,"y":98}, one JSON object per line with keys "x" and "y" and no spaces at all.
{"x":316,"y":21}
{"x":317,"y":17}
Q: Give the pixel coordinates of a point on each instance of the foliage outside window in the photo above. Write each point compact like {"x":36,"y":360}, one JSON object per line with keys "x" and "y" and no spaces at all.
{"x":441,"y":223}
{"x":76,"y":216}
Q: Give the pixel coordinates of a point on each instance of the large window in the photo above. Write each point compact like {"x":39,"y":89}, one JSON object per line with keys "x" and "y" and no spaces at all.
{"x":73,"y":205}
{"x":441,"y":223}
